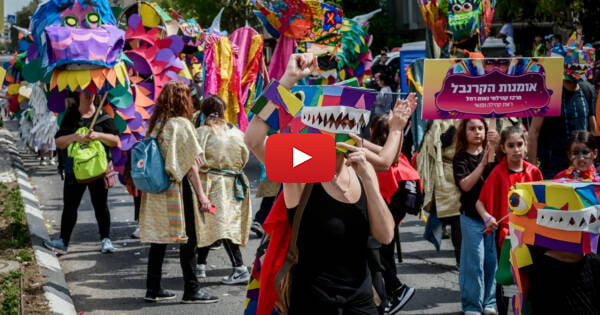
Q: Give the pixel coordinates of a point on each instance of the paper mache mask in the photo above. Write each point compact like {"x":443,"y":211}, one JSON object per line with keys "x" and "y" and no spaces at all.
{"x":560,"y":214}
{"x":579,"y":60}
{"x":330,"y":109}
{"x":453,"y":22}
{"x":78,"y":34}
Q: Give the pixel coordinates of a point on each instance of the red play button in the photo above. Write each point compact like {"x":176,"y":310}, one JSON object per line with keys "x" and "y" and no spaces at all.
{"x":300,"y":158}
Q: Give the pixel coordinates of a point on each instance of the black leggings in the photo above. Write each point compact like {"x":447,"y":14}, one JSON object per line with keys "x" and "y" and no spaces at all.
{"x":187,"y":251}
{"x":233,"y":251}
{"x":72,"y":194}
{"x":392,"y":283}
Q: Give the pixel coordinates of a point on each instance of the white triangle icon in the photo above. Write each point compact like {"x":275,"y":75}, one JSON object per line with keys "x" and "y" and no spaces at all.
{"x":299,"y":157}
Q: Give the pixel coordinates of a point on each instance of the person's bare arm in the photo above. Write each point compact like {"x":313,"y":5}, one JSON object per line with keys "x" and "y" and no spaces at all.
{"x":532,"y":139}
{"x":381,"y":222}
{"x":469,"y":181}
{"x":488,"y":220}
{"x":108,"y":139}
{"x":63,"y":142}
{"x":592,"y":123}
{"x":194,"y":179}
{"x":298,"y":67}
{"x":388,"y":154}
{"x":256,"y":137}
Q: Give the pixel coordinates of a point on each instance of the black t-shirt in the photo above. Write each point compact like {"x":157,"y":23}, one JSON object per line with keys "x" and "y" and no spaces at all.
{"x":464,"y":164}
{"x":332,"y":248}
{"x":73,"y":121}
{"x":557,"y":287}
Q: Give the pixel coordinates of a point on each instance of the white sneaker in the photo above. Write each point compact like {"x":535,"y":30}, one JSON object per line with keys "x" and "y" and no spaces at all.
{"x":107,"y":246}
{"x":52,"y":161}
{"x":239,"y":275}
{"x":136,"y":233}
{"x":472,"y":313}
{"x":490,"y":311}
{"x":201,"y":271}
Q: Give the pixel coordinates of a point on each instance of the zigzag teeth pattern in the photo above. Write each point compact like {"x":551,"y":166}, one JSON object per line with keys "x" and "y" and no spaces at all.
{"x":584,"y":220}
{"x":336,"y":119}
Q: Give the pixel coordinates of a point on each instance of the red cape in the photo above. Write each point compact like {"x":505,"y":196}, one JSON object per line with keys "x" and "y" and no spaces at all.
{"x":388,"y":181}
{"x":494,"y":194}
{"x":278,"y":226}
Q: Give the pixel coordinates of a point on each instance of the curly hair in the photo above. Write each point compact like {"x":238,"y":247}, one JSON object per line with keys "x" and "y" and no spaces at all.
{"x":174,"y":101}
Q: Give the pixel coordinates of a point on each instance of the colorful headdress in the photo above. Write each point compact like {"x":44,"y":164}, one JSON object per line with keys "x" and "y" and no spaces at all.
{"x":306,"y":21}
{"x":454,"y":22}
{"x":579,"y":58}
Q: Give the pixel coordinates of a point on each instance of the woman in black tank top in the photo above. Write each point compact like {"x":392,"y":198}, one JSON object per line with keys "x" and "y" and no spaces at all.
{"x":331,"y":276}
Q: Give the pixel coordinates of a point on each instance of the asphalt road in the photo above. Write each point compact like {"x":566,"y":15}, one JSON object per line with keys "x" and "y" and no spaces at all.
{"x":115,"y":283}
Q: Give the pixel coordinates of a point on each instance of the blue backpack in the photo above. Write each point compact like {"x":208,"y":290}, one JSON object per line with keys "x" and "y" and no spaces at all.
{"x":148,"y":167}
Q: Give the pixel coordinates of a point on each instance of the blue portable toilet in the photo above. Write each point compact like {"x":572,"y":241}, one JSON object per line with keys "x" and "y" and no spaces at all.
{"x":409,"y":52}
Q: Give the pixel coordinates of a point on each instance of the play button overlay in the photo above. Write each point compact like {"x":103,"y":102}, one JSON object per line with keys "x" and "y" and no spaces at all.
{"x":300,"y":158}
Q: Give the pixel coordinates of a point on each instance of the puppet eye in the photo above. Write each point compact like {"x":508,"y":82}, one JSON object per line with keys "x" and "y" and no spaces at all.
{"x":467,"y":7}
{"x":300,"y":95}
{"x":70,"y":21}
{"x":456,"y":8}
{"x":517,"y":203}
{"x":92,"y":19}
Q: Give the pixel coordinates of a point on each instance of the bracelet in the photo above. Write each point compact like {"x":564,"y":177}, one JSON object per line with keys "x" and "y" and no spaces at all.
{"x":487,"y":220}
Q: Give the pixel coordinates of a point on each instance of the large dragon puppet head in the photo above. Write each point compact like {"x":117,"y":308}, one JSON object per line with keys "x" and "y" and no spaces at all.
{"x":79,"y":44}
{"x":77,"y":34}
{"x":458,"y":23}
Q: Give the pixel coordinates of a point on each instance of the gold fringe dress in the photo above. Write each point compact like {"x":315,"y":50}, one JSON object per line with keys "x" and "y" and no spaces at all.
{"x":224,"y":154}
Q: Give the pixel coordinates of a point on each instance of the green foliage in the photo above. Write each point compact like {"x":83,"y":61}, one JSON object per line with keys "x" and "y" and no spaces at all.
{"x":9,"y":286}
{"x":235,"y":15}
{"x":25,"y":255}
{"x":14,"y":212}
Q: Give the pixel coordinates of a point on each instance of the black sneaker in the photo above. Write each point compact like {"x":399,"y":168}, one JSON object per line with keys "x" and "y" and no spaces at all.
{"x":160,"y":295}
{"x":399,"y":298}
{"x":199,"y":297}
{"x":257,"y":229}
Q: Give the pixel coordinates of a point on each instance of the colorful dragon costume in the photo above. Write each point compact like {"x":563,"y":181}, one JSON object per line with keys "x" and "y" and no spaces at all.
{"x":559,"y":215}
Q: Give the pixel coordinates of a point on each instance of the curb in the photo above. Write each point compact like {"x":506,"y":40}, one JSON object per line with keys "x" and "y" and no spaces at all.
{"x":55,"y":288}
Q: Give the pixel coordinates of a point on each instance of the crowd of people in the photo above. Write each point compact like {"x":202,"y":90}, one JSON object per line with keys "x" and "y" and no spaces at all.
{"x":209,"y":201}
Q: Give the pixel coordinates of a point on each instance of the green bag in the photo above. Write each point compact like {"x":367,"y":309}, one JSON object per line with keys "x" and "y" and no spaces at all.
{"x":89,"y":160}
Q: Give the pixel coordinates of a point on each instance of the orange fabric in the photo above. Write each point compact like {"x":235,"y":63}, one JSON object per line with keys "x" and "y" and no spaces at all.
{"x":531,"y":228}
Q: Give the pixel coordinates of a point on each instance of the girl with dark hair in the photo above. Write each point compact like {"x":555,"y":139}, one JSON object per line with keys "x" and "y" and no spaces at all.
{"x":582,"y":153}
{"x":492,"y":205}
{"x":172,"y":216}
{"x":470,"y":167}
{"x":224,"y":154}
